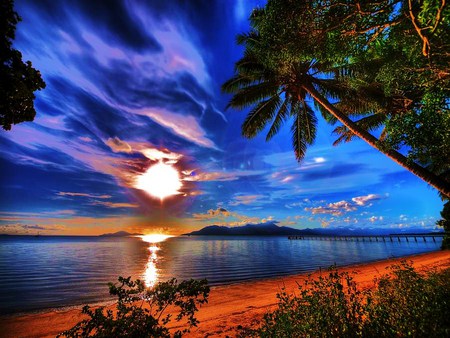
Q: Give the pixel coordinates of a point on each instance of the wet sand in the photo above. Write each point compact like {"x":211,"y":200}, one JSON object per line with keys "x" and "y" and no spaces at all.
{"x":229,"y":305}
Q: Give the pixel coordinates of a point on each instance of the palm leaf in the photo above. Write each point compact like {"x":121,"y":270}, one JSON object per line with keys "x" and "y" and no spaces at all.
{"x":253,"y":94}
{"x":257,"y":119}
{"x":279,"y":119}
{"x":303,"y":129}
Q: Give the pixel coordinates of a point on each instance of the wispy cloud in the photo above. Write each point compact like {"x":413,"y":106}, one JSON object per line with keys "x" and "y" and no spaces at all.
{"x":246,"y":199}
{"x":185,"y":126}
{"x":221,"y":176}
{"x":115,"y":204}
{"x":81,"y":194}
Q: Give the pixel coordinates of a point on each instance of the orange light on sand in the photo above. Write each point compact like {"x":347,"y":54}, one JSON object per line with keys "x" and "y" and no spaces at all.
{"x":161,"y":180}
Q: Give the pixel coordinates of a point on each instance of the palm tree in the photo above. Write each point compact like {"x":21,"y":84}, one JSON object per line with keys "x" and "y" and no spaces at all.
{"x":275,"y":95}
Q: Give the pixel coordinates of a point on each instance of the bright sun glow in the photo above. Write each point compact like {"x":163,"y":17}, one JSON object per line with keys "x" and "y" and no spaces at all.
{"x":161,"y":181}
{"x":154,"y":238}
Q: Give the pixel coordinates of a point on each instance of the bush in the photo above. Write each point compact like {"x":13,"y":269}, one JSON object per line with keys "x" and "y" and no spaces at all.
{"x":140,"y":311}
{"x":402,"y":303}
{"x":406,"y":303}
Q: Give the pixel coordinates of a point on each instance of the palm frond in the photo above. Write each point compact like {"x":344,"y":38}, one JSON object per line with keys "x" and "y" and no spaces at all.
{"x":345,"y":135}
{"x":303,"y":129}
{"x":258,"y":118}
{"x":252,"y":37}
{"x":253,"y":94}
{"x":279,"y":119}
{"x":368,"y":123}
{"x":236,"y":83}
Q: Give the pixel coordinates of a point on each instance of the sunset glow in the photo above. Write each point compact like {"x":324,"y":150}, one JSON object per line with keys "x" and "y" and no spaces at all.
{"x":161,"y":181}
{"x":154,"y":238}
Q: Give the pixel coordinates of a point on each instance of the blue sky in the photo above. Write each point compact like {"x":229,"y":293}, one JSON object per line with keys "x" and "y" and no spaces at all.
{"x":133,"y":83}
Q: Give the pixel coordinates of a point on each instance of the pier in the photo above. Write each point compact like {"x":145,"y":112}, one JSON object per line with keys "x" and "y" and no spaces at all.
{"x":372,"y":238}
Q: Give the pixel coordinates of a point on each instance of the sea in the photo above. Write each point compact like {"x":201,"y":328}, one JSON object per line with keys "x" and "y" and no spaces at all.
{"x":43,"y":272}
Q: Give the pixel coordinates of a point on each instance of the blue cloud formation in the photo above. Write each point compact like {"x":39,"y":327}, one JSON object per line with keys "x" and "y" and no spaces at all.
{"x":128,"y":81}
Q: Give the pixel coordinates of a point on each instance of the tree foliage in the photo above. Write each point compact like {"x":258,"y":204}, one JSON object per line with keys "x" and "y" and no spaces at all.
{"x":402,"y":303}
{"x":18,"y":80}
{"x":140,"y":312}
{"x":445,"y":223}
{"x":365,"y":64}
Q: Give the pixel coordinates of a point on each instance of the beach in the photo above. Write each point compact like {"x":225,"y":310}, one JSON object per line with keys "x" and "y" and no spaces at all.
{"x":229,"y":306}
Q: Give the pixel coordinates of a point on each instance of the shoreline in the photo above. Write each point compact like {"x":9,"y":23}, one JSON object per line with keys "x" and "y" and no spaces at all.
{"x":110,"y":302}
{"x":229,"y":305}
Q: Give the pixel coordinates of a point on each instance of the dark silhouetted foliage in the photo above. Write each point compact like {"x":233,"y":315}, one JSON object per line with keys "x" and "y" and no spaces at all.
{"x":140,"y":311}
{"x":18,"y":80}
{"x":445,"y":223}
{"x":402,"y":303}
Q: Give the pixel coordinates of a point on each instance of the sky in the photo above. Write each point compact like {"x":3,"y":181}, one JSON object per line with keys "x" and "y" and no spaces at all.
{"x":134,"y":84}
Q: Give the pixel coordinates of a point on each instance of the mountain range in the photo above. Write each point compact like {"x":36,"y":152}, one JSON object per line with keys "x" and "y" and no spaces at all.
{"x":120,"y":234}
{"x":272,"y":229}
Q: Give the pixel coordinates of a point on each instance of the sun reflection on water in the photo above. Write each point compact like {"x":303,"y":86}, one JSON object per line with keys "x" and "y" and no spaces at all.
{"x":151,"y":271}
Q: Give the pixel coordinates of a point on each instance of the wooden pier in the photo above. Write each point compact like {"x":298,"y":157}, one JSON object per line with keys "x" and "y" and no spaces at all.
{"x":372,"y":238}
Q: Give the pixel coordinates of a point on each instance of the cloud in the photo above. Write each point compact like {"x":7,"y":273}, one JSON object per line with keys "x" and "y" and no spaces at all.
{"x":212,"y":213}
{"x":335,"y":209}
{"x":115,"y":204}
{"x":118,"y":146}
{"x":341,"y":207}
{"x":362,"y":200}
{"x":376,"y":218}
{"x":185,"y":126}
{"x":245,"y":199}
{"x":156,"y":155}
{"x":80,"y":194}
{"x":222,"y":216}
{"x":26,"y":228}
{"x":220,"y":176}
{"x":319,"y":159}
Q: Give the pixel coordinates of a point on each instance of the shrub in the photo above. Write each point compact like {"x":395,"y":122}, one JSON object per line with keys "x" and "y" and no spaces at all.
{"x":406,"y":303}
{"x":140,"y":312}
{"x":402,"y":303}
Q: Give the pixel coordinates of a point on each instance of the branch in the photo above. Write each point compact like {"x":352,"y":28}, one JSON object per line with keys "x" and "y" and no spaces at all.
{"x":438,"y":16}
{"x":426,"y":43}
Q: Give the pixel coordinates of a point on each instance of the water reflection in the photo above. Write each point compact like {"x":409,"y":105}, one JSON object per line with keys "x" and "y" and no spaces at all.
{"x":151,"y":271}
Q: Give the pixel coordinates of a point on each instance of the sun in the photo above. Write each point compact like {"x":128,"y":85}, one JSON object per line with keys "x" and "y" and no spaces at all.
{"x":160,"y":180}
{"x":154,"y":238}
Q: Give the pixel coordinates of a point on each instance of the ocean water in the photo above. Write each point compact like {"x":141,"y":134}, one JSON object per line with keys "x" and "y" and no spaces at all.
{"x":38,"y":273}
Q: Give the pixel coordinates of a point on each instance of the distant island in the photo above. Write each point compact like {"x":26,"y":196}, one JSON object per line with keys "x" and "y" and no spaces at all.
{"x":120,"y":234}
{"x":272,"y":229}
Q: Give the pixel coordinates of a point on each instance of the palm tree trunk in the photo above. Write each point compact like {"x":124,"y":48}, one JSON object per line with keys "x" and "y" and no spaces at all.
{"x":419,"y":171}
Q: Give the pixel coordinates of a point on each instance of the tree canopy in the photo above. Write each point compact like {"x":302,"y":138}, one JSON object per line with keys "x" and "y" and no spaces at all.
{"x":18,"y":79}
{"x":384,"y":73}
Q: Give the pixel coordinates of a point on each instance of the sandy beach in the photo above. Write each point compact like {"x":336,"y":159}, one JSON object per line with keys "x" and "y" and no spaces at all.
{"x":229,"y":306}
